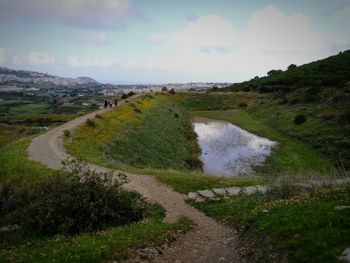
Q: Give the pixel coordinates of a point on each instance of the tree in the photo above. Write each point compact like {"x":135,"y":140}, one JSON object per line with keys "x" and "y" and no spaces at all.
{"x":164,"y":89}
{"x":274,"y":72}
{"x":292,"y":66}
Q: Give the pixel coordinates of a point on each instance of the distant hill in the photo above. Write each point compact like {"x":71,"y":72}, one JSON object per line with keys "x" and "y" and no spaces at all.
{"x":330,"y":72}
{"x":86,"y":80}
{"x":11,"y":79}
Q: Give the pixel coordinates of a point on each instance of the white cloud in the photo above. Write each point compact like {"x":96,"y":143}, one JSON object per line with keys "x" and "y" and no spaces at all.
{"x":98,"y":37}
{"x":271,"y":39}
{"x":40,"y":58}
{"x":76,"y":61}
{"x":81,"y":13}
{"x":35,"y":58}
{"x":212,"y":31}
{"x":270,"y":30}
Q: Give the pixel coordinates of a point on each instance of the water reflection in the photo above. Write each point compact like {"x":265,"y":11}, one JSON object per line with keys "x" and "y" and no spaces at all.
{"x":229,"y":150}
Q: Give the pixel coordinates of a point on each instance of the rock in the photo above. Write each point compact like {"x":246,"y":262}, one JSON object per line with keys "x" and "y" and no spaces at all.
{"x":304,"y":186}
{"x":340,"y":181}
{"x":342,"y":207}
{"x":206,"y":193}
{"x":317,"y":183}
{"x":222,"y":259}
{"x":193,"y":195}
{"x":261,"y":188}
{"x":249,"y":190}
{"x":345,"y":255}
{"x":233,"y":191}
{"x":219,"y":191}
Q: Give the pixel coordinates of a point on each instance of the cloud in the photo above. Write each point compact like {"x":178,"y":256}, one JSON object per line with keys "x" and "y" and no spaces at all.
{"x":40,"y":58}
{"x":98,"y":38}
{"x":34,"y":58}
{"x":212,"y":31}
{"x":80,"y":13}
{"x":269,"y":30}
{"x":210,"y":49}
{"x":76,"y":61}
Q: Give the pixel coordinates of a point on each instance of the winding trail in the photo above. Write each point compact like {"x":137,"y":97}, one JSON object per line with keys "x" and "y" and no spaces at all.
{"x":209,"y":241}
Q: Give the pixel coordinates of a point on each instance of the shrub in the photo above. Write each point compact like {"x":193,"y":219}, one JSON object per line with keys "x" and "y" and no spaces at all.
{"x":131,"y":93}
{"x":90,"y":123}
{"x":98,"y":116}
{"x":176,"y":115}
{"x":172,"y":91}
{"x":299,"y":119}
{"x":243,"y":105}
{"x":292,"y":66}
{"x":84,"y":201}
{"x":136,"y":110}
{"x":124,"y":96}
{"x":66,"y":133}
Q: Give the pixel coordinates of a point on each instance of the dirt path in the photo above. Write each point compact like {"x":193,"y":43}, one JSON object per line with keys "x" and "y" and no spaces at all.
{"x":209,"y":241}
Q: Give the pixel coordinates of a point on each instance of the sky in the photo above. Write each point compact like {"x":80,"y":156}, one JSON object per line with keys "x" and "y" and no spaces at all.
{"x":163,"y":41}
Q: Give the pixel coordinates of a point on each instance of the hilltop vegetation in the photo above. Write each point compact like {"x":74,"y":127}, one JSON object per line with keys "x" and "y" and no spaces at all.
{"x":330,"y":72}
{"x":310,"y":103}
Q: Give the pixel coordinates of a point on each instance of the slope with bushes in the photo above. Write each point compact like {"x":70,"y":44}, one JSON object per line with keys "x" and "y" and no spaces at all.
{"x":310,"y":103}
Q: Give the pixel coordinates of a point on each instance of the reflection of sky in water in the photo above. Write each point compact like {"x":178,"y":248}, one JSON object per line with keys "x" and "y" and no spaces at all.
{"x":229,"y":150}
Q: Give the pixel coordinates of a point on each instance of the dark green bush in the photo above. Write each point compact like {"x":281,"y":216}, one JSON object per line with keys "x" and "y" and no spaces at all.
{"x":99,"y":116}
{"x":243,"y":105}
{"x":84,"y":201}
{"x":299,"y":119}
{"x":90,"y":123}
{"x":66,"y":133}
{"x":136,"y":110}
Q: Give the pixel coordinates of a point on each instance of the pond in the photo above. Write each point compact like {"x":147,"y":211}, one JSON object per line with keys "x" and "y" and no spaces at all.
{"x":228,"y":150}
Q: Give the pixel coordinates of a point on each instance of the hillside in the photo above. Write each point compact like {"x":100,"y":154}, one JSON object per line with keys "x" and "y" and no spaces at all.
{"x":15,"y":80}
{"x":330,"y":72}
{"x":318,"y":93}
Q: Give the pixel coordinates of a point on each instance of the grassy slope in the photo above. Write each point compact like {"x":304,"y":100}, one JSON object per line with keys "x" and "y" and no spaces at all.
{"x":320,"y":91}
{"x":94,"y":247}
{"x":329,"y":72}
{"x":306,"y":226}
{"x":154,"y":137}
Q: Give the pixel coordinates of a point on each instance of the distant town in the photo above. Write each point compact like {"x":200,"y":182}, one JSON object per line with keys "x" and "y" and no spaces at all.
{"x":35,"y":83}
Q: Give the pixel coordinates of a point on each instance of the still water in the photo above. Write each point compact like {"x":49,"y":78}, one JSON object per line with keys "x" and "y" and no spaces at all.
{"x":228,"y":150}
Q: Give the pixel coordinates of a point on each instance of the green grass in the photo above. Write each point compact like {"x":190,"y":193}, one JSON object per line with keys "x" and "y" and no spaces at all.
{"x":305,"y":226}
{"x":147,"y":141}
{"x":14,"y":163}
{"x":110,"y":244}
{"x":160,"y":139}
{"x":113,"y":243}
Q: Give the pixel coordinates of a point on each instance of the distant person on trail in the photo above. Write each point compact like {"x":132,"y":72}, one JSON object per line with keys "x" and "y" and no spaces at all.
{"x":106,"y":103}
{"x":115,"y":102}
{"x":110,"y":105}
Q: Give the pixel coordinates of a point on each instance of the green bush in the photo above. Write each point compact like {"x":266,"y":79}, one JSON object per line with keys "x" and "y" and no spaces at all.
{"x":90,"y":123}
{"x":66,"y":133}
{"x":299,"y":119}
{"x":84,"y":201}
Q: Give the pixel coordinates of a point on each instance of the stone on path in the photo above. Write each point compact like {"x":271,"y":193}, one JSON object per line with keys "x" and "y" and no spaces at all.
{"x":206,"y":193}
{"x":193,"y":195}
{"x":342,"y":207}
{"x":233,"y":191}
{"x":249,"y":190}
{"x":345,"y":255}
{"x":219,"y":191}
{"x":261,"y":188}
